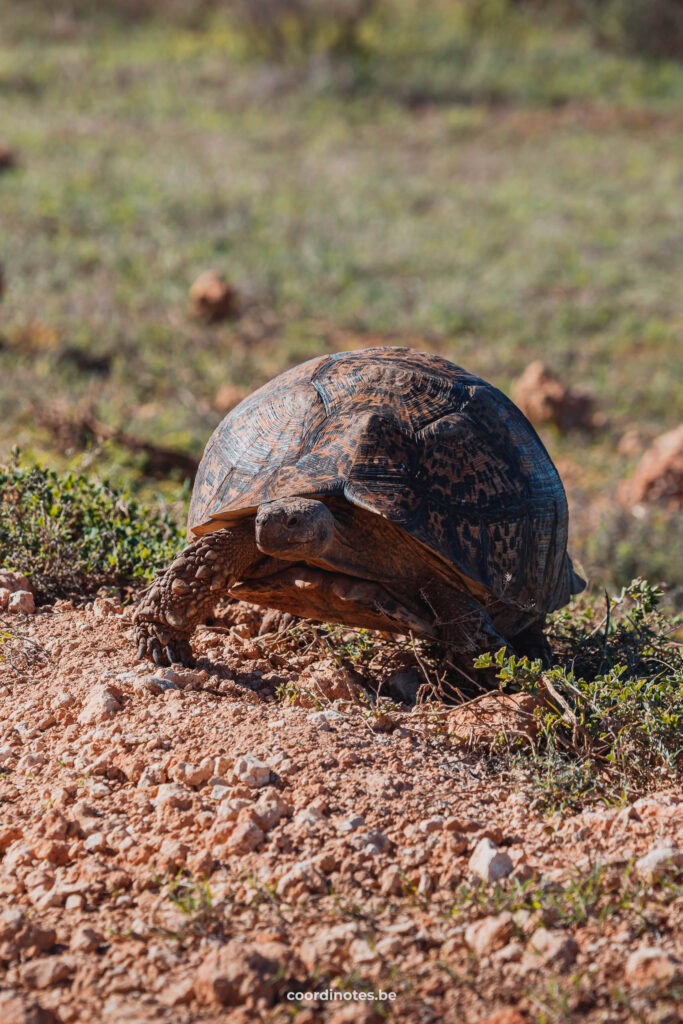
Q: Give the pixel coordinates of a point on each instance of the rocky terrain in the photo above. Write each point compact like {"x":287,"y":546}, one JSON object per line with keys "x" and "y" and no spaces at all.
{"x":251,"y":837}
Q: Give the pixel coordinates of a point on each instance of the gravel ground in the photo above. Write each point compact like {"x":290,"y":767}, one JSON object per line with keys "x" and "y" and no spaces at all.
{"x":188,"y":845}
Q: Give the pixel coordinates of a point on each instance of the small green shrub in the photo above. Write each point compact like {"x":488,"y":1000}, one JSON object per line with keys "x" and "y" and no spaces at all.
{"x":72,"y":535}
{"x":615,"y":701}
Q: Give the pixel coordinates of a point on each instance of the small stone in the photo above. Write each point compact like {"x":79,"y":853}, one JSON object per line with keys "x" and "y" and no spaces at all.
{"x":651,"y":965}
{"x":309,"y":816}
{"x":551,"y":948}
{"x":192,"y":775}
{"x":44,"y":972}
{"x":245,"y":837}
{"x":15,"y":581}
{"x":328,"y":948}
{"x":234,"y":973}
{"x":434,"y":824}
{"x":662,"y":860}
{"x":252,"y":771}
{"x":356,"y":821}
{"x":85,"y":939}
{"x":212,"y":298}
{"x":95,"y":843}
{"x":301,"y":878}
{"x":490,"y":933}
{"x":103,"y":704}
{"x":174,"y":796}
{"x":21,"y":601}
{"x":425,"y":885}
{"x":220,"y":791}
{"x":269,"y":810}
{"x":391,"y":881}
{"x":481,"y":721}
{"x":324,"y":720}
{"x":105,"y":606}
{"x":179,"y":993}
{"x":489,"y":863}
{"x":20,"y":1010}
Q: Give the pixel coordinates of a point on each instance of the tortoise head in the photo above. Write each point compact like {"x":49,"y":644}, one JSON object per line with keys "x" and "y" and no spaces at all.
{"x":293,"y":528}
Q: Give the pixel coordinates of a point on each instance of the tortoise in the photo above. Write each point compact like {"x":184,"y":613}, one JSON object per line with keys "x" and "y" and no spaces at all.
{"x":384,"y":488}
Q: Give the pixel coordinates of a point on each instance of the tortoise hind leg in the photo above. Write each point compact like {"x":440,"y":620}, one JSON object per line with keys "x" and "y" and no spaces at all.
{"x":533,"y":643}
{"x":465,"y":629}
{"x":185,"y":593}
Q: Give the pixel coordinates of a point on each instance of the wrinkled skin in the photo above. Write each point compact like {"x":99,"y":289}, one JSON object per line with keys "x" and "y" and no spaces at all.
{"x":326,"y":561}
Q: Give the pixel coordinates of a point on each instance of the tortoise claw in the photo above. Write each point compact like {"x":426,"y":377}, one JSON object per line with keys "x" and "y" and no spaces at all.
{"x":156,"y":656}
{"x":142,"y":651}
{"x":170,"y":654}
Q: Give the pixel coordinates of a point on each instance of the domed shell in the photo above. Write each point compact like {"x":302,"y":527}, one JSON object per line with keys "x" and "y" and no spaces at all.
{"x":410,"y":437}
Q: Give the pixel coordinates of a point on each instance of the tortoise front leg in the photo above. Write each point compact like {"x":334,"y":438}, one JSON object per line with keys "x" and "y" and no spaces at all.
{"x":184,"y":594}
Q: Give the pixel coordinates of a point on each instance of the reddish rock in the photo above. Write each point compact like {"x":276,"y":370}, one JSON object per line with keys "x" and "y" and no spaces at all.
{"x":543,"y":398}
{"x":658,"y":478}
{"x":327,"y":681}
{"x":212,"y":298}
{"x":45,"y":972}
{"x":482,"y":720}
{"x":235,"y":973}
{"x":651,"y":965}
{"x":23,"y":1010}
{"x":490,"y":933}
{"x":15,"y":581}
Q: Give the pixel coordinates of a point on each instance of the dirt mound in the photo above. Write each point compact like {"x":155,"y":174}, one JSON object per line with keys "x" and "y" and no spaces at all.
{"x":543,"y":398}
{"x":658,"y":478}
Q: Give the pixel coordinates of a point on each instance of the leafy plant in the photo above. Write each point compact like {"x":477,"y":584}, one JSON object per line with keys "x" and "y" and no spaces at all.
{"x":614,"y":707}
{"x":72,"y":535}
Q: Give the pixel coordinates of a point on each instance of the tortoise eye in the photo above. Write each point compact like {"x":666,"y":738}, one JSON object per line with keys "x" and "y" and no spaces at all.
{"x":293,"y":521}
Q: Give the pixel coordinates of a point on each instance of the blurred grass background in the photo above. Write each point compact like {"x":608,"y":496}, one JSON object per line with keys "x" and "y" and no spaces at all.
{"x":492,"y":180}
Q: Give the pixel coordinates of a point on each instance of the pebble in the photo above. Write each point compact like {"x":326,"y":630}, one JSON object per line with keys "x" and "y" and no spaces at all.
{"x":95,"y":843}
{"x":220,"y":791}
{"x":103,"y":704}
{"x":44,"y":972}
{"x":356,"y":821}
{"x":551,"y":948}
{"x":100,"y":789}
{"x":651,"y":964}
{"x":14,"y":581}
{"x":173,"y":795}
{"x":252,"y":771}
{"x":434,"y":824}
{"x":309,"y":816}
{"x":489,"y":863}
{"x":490,"y":933}
{"x":662,"y":860}
{"x":85,"y":939}
{"x":21,"y":601}
{"x":302,"y":875}
{"x":324,"y":720}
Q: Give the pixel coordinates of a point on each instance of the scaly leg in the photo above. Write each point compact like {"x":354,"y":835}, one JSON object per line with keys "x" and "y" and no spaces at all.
{"x":184,"y":594}
{"x":534,"y":644}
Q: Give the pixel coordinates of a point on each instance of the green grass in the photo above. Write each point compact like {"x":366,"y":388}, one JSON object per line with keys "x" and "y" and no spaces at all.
{"x":496,"y":197}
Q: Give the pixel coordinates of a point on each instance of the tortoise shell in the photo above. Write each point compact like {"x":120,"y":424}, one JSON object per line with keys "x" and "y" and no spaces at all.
{"x":410,"y":437}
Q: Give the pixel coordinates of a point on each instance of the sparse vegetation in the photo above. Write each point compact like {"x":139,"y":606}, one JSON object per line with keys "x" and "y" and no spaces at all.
{"x":615,"y":701}
{"x":73,"y":535}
